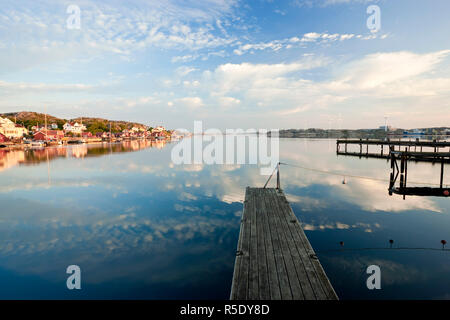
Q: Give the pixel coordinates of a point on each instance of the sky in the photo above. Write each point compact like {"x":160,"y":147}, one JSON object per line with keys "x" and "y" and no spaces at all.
{"x":261,"y":64}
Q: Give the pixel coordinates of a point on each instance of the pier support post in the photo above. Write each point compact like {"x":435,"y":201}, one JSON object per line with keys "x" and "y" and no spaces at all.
{"x":442,"y":172}
{"x":406,"y":169}
{"x":402,"y":171}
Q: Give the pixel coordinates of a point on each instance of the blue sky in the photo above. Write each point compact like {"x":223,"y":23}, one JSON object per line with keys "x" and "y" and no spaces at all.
{"x":232,"y":64}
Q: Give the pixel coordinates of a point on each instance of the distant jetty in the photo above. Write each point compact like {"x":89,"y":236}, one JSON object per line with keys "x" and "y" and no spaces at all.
{"x":437,"y":132}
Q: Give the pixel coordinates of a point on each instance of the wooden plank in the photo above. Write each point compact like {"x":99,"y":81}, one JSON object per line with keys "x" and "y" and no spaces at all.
{"x":253,"y":290}
{"x":285,"y":288}
{"x":297,"y":252}
{"x":263,"y":274}
{"x":295,"y":282}
{"x":274,"y":283}
{"x":237,"y":264}
{"x":240,"y":277}
{"x":320,"y":282}
{"x":303,"y":251}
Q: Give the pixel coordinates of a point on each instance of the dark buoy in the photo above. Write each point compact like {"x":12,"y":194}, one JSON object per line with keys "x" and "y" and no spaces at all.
{"x":391,"y":242}
{"x":343,"y":181}
{"x":341,"y":243}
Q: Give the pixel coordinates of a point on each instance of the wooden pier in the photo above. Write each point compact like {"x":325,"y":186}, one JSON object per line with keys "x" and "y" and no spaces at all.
{"x":404,"y":157}
{"x":434,"y":150}
{"x":274,"y":259}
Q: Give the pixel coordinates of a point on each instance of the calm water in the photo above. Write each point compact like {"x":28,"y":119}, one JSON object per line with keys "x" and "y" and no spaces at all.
{"x":141,"y":227}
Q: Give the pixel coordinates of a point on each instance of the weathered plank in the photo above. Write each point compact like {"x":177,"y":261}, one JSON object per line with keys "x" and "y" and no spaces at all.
{"x":253,"y":292}
{"x":263,"y":275}
{"x":239,"y":288}
{"x":281,"y":269}
{"x":296,"y":249}
{"x":316,"y":275}
{"x":274,"y":283}
{"x":274,"y":258}
{"x":285,"y":250}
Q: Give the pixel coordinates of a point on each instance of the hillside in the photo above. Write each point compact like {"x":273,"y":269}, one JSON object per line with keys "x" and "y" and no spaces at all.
{"x":93,"y":125}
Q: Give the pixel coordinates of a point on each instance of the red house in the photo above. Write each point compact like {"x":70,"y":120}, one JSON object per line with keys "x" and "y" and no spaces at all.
{"x":86,"y":134}
{"x":51,"y":135}
{"x":3,"y":138}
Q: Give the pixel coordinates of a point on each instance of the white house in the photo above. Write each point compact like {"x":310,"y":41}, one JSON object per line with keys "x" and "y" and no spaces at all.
{"x":136,"y":129}
{"x":11,"y":130}
{"x":74,"y":127}
{"x":159,"y":129}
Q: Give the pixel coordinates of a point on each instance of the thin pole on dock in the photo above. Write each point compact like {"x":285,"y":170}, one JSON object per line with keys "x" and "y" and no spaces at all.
{"x":277,"y":168}
{"x":442,"y":171}
{"x":278,"y":176}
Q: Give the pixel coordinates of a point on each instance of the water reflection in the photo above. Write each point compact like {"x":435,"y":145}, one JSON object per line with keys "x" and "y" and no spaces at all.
{"x":13,"y":157}
{"x":141,"y":227}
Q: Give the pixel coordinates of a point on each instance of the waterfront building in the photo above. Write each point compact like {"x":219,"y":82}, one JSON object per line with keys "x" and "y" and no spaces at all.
{"x":11,"y":130}
{"x":49,"y":135}
{"x":74,"y":127}
{"x":3,"y":138}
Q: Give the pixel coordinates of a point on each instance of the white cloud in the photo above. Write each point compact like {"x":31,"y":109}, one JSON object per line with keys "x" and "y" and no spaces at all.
{"x":325,"y":3}
{"x":227,"y":102}
{"x":109,"y":28}
{"x":246,"y":76}
{"x":184,"y":71}
{"x":190,"y":102}
{"x":302,"y":41}
{"x":24,"y":86}
{"x":311,"y":36}
{"x":380,"y":69}
{"x":371,"y":85}
{"x":348,"y":36}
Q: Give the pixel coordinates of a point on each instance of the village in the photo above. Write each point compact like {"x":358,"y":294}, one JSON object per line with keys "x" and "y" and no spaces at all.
{"x":72,"y":132}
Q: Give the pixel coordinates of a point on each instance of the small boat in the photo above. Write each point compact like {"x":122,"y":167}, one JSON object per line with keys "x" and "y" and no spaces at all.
{"x":38,"y":144}
{"x":76,"y":141}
